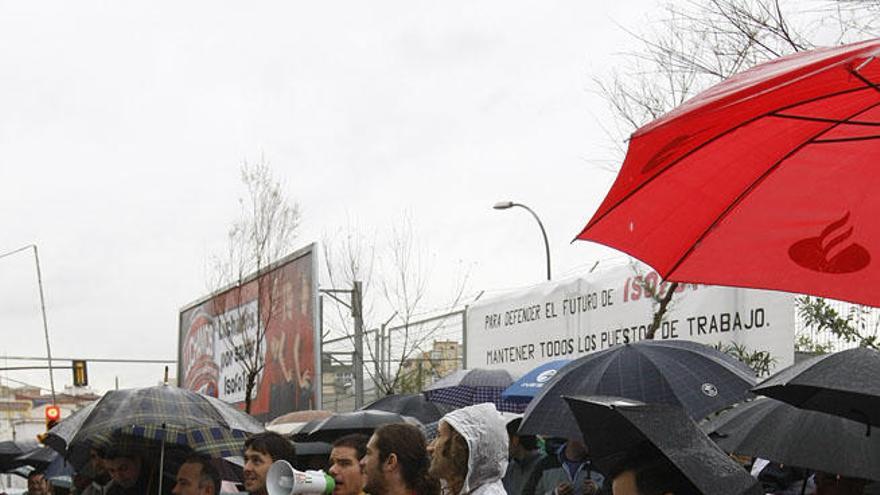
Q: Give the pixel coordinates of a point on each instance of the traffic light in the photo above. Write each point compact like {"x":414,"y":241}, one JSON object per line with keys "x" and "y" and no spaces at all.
{"x":53,"y":416}
{"x":80,"y":374}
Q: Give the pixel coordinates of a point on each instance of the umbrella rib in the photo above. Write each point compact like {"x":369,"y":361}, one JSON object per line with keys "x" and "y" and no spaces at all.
{"x":847,"y":139}
{"x":711,"y":140}
{"x":825,"y":119}
{"x":739,"y":199}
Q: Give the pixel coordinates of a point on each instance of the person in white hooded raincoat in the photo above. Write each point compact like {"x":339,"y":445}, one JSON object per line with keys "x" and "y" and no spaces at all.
{"x":479,"y":430}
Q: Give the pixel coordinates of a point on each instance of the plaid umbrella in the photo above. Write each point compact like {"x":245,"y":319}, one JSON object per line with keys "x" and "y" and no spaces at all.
{"x":468,"y":387}
{"x":163,"y":415}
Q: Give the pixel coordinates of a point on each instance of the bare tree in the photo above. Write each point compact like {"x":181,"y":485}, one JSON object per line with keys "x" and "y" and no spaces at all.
{"x":659,"y":292}
{"x":396,"y":277}
{"x":250,"y":294}
{"x":696,"y":44}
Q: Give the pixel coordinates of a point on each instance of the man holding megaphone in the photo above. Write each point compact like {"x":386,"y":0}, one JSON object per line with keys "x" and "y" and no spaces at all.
{"x":260,"y":451}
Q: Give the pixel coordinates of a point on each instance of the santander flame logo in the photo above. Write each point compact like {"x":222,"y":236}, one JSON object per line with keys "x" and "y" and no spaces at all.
{"x":832,"y":251}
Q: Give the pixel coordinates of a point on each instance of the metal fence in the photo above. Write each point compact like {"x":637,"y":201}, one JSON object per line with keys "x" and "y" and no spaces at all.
{"x":431,"y":347}
{"x":407,"y":356}
{"x":865,"y":318}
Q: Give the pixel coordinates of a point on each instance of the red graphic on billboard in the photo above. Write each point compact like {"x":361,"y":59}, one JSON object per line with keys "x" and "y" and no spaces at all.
{"x":269,"y":320}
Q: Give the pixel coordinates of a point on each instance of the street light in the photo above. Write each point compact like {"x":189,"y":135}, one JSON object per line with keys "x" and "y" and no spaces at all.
{"x":42,"y":308}
{"x":503,"y":205}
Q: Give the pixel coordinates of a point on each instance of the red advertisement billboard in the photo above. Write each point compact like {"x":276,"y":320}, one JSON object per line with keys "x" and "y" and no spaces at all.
{"x":269,"y":321}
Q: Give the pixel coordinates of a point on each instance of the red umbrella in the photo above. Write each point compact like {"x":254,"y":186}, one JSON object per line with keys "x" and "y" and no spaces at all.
{"x":770,"y":179}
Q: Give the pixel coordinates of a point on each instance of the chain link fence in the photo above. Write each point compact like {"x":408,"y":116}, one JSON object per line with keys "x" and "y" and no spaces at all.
{"x":406,"y":358}
{"x":864,"y":319}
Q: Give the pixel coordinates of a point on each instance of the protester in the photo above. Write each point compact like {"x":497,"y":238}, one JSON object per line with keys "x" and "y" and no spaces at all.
{"x":197,"y":476}
{"x":567,"y":471}
{"x":649,"y":474}
{"x":345,"y":464}
{"x":396,"y":462}
{"x":37,"y":484}
{"x":130,"y":474}
{"x":470,"y":451}
{"x":525,"y":457}
{"x":100,"y":481}
{"x":260,"y":451}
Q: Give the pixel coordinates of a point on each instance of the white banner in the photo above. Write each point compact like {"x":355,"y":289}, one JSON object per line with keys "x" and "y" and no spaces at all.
{"x":236,"y":329}
{"x":558,"y":320}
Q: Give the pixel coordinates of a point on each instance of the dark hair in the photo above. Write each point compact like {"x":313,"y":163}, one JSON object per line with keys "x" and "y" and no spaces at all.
{"x":113,"y":452}
{"x":209,"y":473}
{"x":654,"y":474}
{"x":528,"y":442}
{"x":272,"y":444}
{"x":356,"y":441}
{"x":408,"y":443}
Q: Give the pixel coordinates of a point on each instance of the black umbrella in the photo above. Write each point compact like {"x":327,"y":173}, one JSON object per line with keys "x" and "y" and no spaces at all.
{"x":313,"y":448}
{"x":412,"y":405}
{"x":38,"y":458}
{"x":464,"y":388}
{"x":11,"y":450}
{"x":694,"y":376}
{"x":782,"y":433}
{"x":339,"y":424}
{"x":615,"y":429}
{"x":844,"y":384}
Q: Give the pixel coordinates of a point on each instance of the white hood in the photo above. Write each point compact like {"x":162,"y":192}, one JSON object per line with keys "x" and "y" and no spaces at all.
{"x":483,"y":428}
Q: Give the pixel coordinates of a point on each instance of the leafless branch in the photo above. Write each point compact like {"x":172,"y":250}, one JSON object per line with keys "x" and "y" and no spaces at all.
{"x":263,"y":233}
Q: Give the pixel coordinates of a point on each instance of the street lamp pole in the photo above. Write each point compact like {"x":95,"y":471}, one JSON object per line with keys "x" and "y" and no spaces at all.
{"x":42,"y":308}
{"x":503,"y":205}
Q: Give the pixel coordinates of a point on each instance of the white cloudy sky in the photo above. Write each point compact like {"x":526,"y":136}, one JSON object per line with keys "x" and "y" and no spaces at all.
{"x":123,"y":126}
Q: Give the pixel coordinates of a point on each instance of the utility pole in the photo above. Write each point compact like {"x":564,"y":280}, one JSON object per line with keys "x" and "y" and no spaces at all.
{"x":45,"y":325}
{"x":357,"y":314}
{"x":358,"y":360}
{"x":383,"y":358}
{"x":377,"y":360}
{"x":42,"y":308}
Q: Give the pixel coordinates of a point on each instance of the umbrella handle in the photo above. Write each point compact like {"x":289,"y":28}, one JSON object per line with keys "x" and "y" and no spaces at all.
{"x":804,"y":486}
{"x":162,"y":460}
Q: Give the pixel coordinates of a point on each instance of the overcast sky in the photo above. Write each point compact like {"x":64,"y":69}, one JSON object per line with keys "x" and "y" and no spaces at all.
{"x":123,"y":126}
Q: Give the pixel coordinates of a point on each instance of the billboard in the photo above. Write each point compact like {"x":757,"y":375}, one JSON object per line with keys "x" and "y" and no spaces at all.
{"x":567,"y":319}
{"x":270,"y":319}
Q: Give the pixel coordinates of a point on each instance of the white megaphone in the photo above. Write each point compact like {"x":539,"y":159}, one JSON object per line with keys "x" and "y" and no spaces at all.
{"x":282,"y":479}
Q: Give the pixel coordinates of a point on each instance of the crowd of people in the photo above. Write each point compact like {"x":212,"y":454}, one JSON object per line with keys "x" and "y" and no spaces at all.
{"x":476,"y":451}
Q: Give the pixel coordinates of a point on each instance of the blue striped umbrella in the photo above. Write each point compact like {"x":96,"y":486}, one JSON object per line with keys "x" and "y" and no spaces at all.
{"x":468,"y":387}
